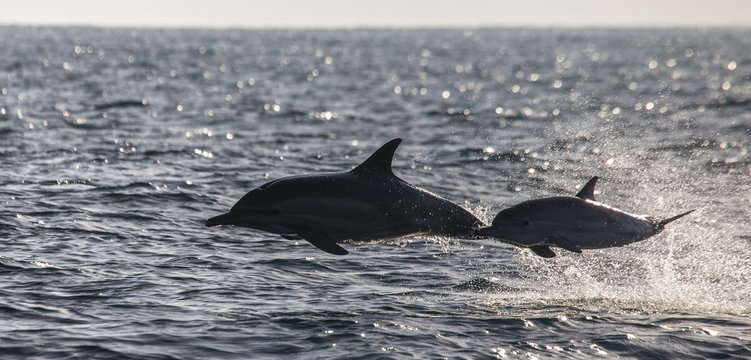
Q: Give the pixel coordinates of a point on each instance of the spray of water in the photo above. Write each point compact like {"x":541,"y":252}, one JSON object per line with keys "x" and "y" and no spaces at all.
{"x":701,"y":263}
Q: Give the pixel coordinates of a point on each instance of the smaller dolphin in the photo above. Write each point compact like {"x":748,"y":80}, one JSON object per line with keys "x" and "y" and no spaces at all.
{"x":572,"y":223}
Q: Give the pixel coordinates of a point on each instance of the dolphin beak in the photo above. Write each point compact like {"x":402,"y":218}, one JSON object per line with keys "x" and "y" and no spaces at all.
{"x":224,"y":219}
{"x":240,"y":218}
{"x":489,"y":231}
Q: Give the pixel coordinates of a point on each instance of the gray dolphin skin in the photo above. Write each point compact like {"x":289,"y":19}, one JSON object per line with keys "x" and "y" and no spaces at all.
{"x":572,"y":223}
{"x":367,"y":203}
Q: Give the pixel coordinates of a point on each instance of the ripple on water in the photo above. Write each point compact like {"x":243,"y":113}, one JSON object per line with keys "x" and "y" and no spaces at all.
{"x":103,"y":195}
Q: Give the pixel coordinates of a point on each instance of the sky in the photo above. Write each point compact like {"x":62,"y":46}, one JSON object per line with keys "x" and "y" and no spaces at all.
{"x":378,"y":13}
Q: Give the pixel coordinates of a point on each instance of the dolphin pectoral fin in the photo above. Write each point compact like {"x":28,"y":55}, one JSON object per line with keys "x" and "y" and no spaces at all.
{"x":588,"y":190}
{"x":542,"y":250}
{"x":564,"y":243}
{"x":322,"y":241}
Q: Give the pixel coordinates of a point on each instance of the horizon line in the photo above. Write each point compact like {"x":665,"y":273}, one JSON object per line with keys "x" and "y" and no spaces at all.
{"x":382,"y":27}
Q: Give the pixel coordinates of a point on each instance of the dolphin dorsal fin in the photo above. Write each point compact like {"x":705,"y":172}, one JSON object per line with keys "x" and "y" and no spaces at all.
{"x":588,"y":190}
{"x":380,"y":161}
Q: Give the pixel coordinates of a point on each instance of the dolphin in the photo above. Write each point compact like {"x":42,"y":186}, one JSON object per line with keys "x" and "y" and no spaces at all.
{"x":364,"y":204}
{"x":572,"y":223}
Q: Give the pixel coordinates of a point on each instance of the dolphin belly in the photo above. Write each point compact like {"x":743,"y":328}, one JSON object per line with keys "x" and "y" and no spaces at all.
{"x":251,"y":221}
{"x":599,"y":226}
{"x":342,"y":218}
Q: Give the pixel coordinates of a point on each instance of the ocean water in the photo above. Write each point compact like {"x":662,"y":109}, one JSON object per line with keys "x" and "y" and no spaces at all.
{"x":117,"y":144}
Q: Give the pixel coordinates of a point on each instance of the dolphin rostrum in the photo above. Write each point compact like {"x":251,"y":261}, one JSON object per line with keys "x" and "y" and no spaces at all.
{"x":367,"y":203}
{"x":572,"y":223}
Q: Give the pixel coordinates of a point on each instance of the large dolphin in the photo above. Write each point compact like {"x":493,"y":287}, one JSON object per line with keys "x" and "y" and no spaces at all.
{"x":572,"y":223}
{"x":367,"y":203}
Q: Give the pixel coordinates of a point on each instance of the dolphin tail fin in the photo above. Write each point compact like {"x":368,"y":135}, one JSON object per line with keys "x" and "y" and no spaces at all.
{"x":661,"y":223}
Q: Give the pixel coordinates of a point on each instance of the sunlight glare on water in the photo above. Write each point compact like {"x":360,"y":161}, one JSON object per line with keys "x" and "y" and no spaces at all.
{"x":118,"y":144}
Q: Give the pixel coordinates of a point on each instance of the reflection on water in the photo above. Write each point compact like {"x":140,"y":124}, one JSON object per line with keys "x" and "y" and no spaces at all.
{"x":117,"y":144}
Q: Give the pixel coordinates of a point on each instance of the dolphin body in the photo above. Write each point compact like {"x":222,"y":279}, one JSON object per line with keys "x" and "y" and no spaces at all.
{"x":367,"y":203}
{"x":572,"y":223}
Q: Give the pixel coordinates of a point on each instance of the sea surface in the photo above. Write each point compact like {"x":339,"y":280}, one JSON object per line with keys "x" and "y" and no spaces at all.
{"x":117,"y":144}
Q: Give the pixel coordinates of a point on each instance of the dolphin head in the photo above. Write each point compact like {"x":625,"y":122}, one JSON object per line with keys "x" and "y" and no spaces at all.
{"x":253,"y":209}
{"x":510,"y":224}
{"x":527,"y":223}
{"x":513,"y":219}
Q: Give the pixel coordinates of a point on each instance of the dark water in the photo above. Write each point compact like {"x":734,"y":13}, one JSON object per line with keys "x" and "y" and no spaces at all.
{"x":116,"y":145}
